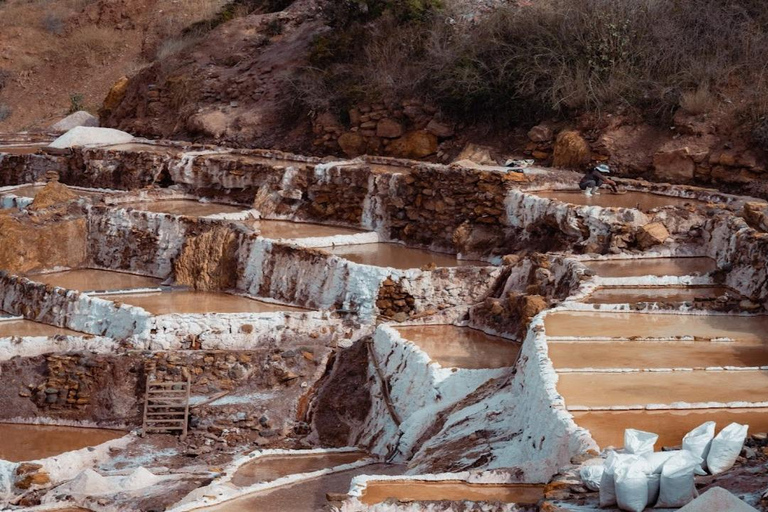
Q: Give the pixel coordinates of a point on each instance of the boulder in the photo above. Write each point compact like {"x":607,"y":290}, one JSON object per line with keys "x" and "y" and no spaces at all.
{"x":652,"y":234}
{"x":756,"y":215}
{"x":540,"y":133}
{"x":418,"y":144}
{"x":717,"y":499}
{"x":440,"y":130}
{"x":213,"y":123}
{"x":114,"y":97}
{"x":91,"y":136}
{"x":80,"y":118}
{"x":389,"y":129}
{"x":571,"y":150}
{"x":676,"y":160}
{"x":352,"y":144}
{"x":476,"y":153}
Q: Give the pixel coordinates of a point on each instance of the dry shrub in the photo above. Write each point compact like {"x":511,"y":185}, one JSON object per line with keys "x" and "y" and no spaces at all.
{"x":700,"y":101}
{"x":92,"y":44}
{"x":5,"y":112}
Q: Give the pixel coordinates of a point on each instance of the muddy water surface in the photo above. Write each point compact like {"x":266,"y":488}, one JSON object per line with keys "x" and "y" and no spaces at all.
{"x":462,"y":347}
{"x":186,"y":207}
{"x":183,"y":301}
{"x":648,"y":354}
{"x":398,"y":256}
{"x":287,"y":229}
{"x":641,"y":200}
{"x":304,"y":496}
{"x":403,"y":490}
{"x":652,"y":267}
{"x":31,"y":191}
{"x":27,"y":328}
{"x":631,"y":295}
{"x":640,"y":325}
{"x":21,"y":150}
{"x":607,"y":428}
{"x":95,"y":280}
{"x":30,"y":442}
{"x":266,"y":469}
{"x":643,"y":388}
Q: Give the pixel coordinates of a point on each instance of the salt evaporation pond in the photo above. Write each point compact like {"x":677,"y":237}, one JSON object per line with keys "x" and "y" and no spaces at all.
{"x":31,"y":191}
{"x":268,"y":468}
{"x":31,"y":442}
{"x":378,"y":491}
{"x":591,"y":324}
{"x":644,"y":201}
{"x":631,"y":295}
{"x":635,"y":267}
{"x":607,"y":427}
{"x":9,"y":328}
{"x":188,"y":207}
{"x":306,"y":495}
{"x":398,"y":256}
{"x":288,"y":229}
{"x":21,"y":150}
{"x":462,"y":347}
{"x":95,"y":280}
{"x":194,"y":302}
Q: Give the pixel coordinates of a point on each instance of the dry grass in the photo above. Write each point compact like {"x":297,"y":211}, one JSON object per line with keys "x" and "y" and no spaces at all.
{"x":700,"y":101}
{"x":93,"y":45}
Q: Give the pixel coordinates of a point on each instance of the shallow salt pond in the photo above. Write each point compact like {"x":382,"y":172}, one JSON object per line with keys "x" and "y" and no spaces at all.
{"x":631,"y":295}
{"x":399,"y":256}
{"x":648,"y":354}
{"x":188,"y":207}
{"x":21,"y":149}
{"x":643,"y":201}
{"x":641,"y":325}
{"x":31,"y":191}
{"x":644,"y":388}
{"x":95,"y":280}
{"x":287,"y":229}
{"x":307,"y":495}
{"x":268,"y":468}
{"x":652,"y":267}
{"x":10,"y":328}
{"x":193,"y":302}
{"x":30,"y":442}
{"x":607,"y":427}
{"x":409,"y":490}
{"x":462,"y":347}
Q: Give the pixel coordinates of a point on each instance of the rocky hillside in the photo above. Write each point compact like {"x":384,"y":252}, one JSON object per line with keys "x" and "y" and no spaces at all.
{"x":62,"y":56}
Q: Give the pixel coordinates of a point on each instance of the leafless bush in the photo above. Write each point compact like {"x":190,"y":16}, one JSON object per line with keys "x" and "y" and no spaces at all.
{"x":5,"y":78}
{"x":53,"y":23}
{"x":5,"y":112}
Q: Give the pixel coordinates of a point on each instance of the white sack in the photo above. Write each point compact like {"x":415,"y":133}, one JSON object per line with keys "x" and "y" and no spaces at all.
{"x":725,"y":447}
{"x":654,"y":486}
{"x":631,"y":486}
{"x":639,"y":442}
{"x":698,"y":441}
{"x":656,"y":460}
{"x":677,"y":486}
{"x":591,"y":476}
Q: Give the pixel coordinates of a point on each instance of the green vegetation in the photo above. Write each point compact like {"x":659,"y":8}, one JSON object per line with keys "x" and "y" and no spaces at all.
{"x":547,"y":58}
{"x":76,"y":102}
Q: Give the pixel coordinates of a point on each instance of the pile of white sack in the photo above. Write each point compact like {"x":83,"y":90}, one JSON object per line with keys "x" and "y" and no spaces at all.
{"x":637,"y":477}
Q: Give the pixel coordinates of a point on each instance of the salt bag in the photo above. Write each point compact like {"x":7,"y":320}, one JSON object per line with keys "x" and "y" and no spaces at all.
{"x":631,"y":486}
{"x":607,"y":483}
{"x":638,"y":442}
{"x":677,"y":487}
{"x":654,"y":486}
{"x":591,"y":476}
{"x":698,"y":441}
{"x":726,"y":447}
{"x":656,"y":460}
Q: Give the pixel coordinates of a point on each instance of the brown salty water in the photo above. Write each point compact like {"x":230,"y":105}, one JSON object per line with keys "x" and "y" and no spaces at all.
{"x":652,"y":267}
{"x":188,"y":207}
{"x":398,"y":256}
{"x":193,"y":302}
{"x":644,"y":201}
{"x":89,"y":279}
{"x":30,"y":442}
{"x":631,"y":295}
{"x":28,"y":328}
{"x":266,"y":469}
{"x":462,"y":347}
{"x":408,"y":490}
{"x":288,"y":229}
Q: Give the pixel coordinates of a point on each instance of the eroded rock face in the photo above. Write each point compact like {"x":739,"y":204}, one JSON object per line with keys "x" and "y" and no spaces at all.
{"x":208,"y":260}
{"x":652,"y":234}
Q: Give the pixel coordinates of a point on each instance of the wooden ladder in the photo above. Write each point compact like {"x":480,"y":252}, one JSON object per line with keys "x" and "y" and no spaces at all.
{"x":166,"y":407}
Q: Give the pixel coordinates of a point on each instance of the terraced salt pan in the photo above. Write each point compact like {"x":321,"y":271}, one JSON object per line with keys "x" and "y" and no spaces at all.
{"x":186,"y":207}
{"x":378,"y":491}
{"x":635,"y":267}
{"x":631,"y":295}
{"x":13,"y":328}
{"x":590,"y":324}
{"x":603,"y":390}
{"x":31,"y":191}
{"x":194,"y":302}
{"x":648,"y":354}
{"x":21,"y":149}
{"x":286,"y":229}
{"x":607,"y":427}
{"x":95,"y":280}
{"x":31,"y":442}
{"x":462,"y":347}
{"x":399,"y":256}
{"x":305,"y":495}
{"x":268,"y":468}
{"x":644,"y":201}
